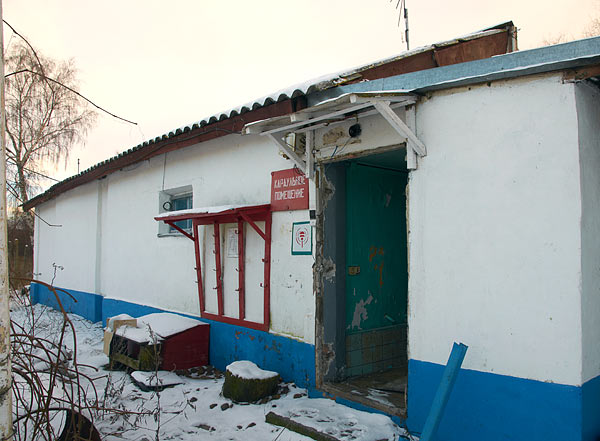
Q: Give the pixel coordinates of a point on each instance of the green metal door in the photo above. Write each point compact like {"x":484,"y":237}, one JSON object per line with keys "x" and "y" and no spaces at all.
{"x":376,"y":258}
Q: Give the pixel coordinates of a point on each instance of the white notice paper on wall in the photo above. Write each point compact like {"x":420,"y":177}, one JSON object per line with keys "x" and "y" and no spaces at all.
{"x":232,"y":242}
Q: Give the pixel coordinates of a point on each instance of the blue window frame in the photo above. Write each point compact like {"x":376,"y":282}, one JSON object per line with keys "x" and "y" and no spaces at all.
{"x":181,"y":203}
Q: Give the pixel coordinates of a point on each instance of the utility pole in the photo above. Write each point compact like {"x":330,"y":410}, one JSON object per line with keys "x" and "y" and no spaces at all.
{"x":5,"y":367}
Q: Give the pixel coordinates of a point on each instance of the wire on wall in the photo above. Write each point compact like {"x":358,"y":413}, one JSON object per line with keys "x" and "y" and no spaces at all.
{"x":164,"y":172}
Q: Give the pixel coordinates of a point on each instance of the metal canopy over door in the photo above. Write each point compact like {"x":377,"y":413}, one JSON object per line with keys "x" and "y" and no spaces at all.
{"x":376,"y":276}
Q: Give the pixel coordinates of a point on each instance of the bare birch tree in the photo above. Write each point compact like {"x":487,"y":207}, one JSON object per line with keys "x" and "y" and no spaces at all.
{"x":5,"y":366}
{"x":44,"y":119}
{"x":593,"y":28}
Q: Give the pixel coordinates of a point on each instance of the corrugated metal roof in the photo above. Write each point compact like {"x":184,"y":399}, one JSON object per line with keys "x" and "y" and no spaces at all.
{"x":563,"y":56}
{"x":315,"y":86}
{"x":331,"y":80}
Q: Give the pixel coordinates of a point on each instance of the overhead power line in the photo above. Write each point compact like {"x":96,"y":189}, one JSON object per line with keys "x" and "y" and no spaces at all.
{"x":47,"y":78}
{"x":13,"y":191}
{"x":35,"y":172}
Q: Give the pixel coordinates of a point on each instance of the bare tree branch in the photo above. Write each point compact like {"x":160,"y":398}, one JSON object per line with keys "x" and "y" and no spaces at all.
{"x":41,"y":66}
{"x":45,"y":115}
{"x":43,"y":74}
{"x":74,"y":91}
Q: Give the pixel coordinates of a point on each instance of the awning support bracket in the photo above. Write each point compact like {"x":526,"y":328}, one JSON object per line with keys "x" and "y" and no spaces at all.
{"x":306,"y":166}
{"x":299,"y":162}
{"x":400,"y":126}
{"x":336,"y":110}
{"x":182,"y":231}
{"x":253,"y":225}
{"x":411,"y":122}
{"x":218,"y":216}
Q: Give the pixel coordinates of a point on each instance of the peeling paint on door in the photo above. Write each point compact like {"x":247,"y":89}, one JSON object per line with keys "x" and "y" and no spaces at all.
{"x":375,"y":242}
{"x":360,"y":312}
{"x":376,"y":297}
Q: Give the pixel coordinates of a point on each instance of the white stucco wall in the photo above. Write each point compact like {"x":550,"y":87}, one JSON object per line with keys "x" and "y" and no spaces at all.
{"x":494,"y":242}
{"x":588,"y":115}
{"x":290,"y":288}
{"x":136,"y":265}
{"x":71,"y":245}
{"x":494,"y":219}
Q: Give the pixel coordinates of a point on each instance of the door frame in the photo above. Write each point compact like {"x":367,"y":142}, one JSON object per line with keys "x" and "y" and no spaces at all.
{"x":330,"y":266}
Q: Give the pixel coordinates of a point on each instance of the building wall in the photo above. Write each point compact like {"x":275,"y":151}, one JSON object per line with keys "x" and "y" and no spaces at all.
{"x":502,"y":253}
{"x":125,"y":260}
{"x":588,"y":114}
{"x":137,"y":266}
{"x":70,"y":242}
{"x":494,"y":251}
{"x":494,"y":230}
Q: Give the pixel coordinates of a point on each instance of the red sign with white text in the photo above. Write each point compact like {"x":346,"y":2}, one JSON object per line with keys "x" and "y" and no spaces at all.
{"x":289,"y":190}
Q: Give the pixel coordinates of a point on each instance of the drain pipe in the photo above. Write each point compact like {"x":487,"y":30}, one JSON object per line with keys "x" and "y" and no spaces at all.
{"x":442,"y":395}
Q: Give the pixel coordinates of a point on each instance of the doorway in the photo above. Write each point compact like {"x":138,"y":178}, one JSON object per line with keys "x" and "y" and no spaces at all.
{"x":365,"y":305}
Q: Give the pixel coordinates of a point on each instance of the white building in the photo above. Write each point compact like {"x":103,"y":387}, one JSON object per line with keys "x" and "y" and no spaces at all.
{"x":437,"y":204}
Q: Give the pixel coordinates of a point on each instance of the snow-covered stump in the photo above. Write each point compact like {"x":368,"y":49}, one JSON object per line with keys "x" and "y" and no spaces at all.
{"x":246,"y":383}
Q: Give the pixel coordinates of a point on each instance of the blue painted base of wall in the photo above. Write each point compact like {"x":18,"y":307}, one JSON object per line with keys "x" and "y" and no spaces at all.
{"x":591,"y":409}
{"x":482,"y":406}
{"x":292,"y":359}
{"x":81,"y":303}
{"x":485,"y":406}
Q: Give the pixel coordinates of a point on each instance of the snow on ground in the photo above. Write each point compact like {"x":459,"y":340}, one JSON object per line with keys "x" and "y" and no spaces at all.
{"x":195,"y":409}
{"x":156,"y":379}
{"x":338,"y":421}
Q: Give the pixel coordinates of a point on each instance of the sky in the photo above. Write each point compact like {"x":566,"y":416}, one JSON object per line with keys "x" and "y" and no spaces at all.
{"x":166,"y":64}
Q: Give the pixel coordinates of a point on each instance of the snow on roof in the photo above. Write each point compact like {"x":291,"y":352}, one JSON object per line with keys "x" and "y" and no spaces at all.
{"x":562,"y":56}
{"x":157,"y":327}
{"x":337,"y":78}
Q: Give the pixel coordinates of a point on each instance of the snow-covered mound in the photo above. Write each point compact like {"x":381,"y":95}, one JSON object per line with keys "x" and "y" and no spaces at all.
{"x":249,"y":371}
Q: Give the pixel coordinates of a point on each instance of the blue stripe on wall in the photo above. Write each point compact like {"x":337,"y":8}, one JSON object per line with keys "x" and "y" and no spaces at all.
{"x":482,"y":406}
{"x":591,"y":410}
{"x":485,"y":406}
{"x":112,"y":307}
{"x":81,"y":303}
{"x":292,"y":359}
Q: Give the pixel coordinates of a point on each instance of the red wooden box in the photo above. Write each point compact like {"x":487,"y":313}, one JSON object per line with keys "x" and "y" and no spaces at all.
{"x":179,"y":342}
{"x":187,"y":349}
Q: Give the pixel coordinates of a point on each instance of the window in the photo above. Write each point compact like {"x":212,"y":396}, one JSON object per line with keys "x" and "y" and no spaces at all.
{"x":175,"y":199}
{"x":180,"y":203}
